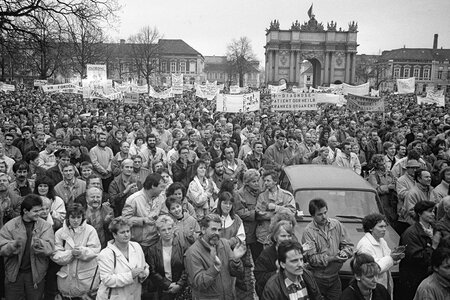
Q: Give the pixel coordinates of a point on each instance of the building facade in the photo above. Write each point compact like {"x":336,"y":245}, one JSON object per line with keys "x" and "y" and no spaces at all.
{"x":430,"y":67}
{"x":173,"y":56}
{"x":331,"y":51}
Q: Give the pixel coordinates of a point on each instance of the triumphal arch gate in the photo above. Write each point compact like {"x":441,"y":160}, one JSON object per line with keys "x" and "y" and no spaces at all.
{"x":331,"y":52}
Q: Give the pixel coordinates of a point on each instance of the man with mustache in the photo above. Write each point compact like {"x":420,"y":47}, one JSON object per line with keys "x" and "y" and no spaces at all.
{"x":211,"y":265}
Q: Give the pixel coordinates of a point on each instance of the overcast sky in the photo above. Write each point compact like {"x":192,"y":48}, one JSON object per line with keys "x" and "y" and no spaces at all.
{"x":209,"y":26}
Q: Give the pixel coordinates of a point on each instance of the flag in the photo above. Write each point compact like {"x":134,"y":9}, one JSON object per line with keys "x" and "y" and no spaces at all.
{"x":310,"y":11}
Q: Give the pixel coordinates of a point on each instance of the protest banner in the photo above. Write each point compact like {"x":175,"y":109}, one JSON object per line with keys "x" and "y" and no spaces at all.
{"x":251,"y":102}
{"x":299,"y":90}
{"x":60,"y":88}
{"x":337,"y":88}
{"x":131,"y":98}
{"x":177,"y":84}
{"x":294,"y":101}
{"x":359,"y":90}
{"x":234,"y":89}
{"x":140,"y":89}
{"x":39,"y":82}
{"x":406,"y":86}
{"x":433,"y":97}
{"x":7,"y":87}
{"x":365,"y":103}
{"x":207,"y":91}
{"x":327,"y":98}
{"x":161,"y":95}
{"x":96,"y":72}
{"x":276,"y":88}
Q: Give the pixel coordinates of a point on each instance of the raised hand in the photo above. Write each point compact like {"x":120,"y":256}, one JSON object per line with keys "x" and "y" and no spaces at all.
{"x":239,"y":250}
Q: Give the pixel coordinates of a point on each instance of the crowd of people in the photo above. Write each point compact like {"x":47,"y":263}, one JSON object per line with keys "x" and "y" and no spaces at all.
{"x":170,"y":200}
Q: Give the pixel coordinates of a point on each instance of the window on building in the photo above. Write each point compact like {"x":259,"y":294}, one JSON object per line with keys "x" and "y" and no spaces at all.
{"x":164,"y":67}
{"x":182,"y":67}
{"x":396,"y":73}
{"x":192,"y":67}
{"x":173,"y":67}
{"x":416,"y":73}
{"x":439,"y":74}
{"x":426,"y":74}
{"x":406,"y":72}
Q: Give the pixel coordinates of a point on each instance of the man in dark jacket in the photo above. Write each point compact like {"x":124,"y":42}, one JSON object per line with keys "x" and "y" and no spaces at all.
{"x":183,"y":168}
{"x":292,"y":281}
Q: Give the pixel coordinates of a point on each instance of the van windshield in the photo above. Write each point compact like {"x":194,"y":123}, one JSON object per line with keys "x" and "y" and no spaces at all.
{"x":356,"y":204}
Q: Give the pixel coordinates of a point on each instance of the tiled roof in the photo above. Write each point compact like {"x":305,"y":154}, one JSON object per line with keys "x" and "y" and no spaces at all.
{"x":165,"y":47}
{"x":441,"y":54}
{"x":179,"y":47}
{"x":408,"y":54}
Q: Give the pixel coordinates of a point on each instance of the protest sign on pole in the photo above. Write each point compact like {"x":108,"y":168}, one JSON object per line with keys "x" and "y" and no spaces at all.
{"x":131,"y":98}
{"x":96,"y":89}
{"x":293,"y":101}
{"x":39,"y":82}
{"x":365,"y":103}
{"x":406,"y":86}
{"x":234,"y":89}
{"x":177,"y":84}
{"x":251,"y":102}
{"x":96,"y":72}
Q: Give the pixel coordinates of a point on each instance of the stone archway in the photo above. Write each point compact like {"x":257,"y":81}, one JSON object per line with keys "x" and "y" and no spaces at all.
{"x":330,"y":49}
{"x":317,"y":72}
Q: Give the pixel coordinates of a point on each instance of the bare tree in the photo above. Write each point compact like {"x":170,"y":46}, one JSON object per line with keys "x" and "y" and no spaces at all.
{"x":85,"y":41}
{"x":16,"y":14}
{"x":43,"y":46}
{"x":370,"y":69}
{"x":240,"y":55}
{"x":145,"y":52}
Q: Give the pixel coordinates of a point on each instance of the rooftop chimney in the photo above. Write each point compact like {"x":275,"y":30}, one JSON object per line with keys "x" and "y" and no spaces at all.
{"x":122,"y":41}
{"x":435,"y":41}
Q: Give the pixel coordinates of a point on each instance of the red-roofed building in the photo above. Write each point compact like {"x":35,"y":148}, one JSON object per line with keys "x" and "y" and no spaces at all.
{"x":173,"y":56}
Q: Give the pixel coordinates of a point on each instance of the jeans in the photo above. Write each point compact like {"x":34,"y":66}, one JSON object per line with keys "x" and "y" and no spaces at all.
{"x":330,"y":288}
{"x":24,"y":288}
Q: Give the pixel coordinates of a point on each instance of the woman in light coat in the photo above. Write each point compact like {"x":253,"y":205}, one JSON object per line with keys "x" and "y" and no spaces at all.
{"x":202,"y":191}
{"x":122,"y":265}
{"x":76,"y":249}
{"x":374,"y":244}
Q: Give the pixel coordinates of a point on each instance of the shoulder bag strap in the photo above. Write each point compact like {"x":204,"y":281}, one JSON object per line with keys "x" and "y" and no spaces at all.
{"x":93,"y":278}
{"x":110,"y":289}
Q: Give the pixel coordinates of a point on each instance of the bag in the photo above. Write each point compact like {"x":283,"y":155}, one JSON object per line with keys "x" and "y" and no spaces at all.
{"x":92,"y":294}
